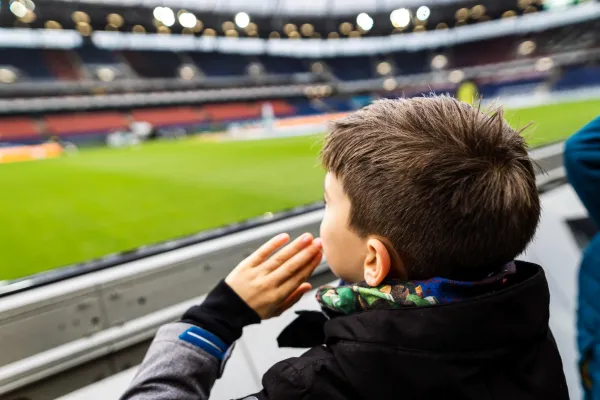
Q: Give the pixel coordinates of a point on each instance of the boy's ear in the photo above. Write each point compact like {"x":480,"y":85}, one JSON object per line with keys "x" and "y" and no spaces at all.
{"x":377,"y":262}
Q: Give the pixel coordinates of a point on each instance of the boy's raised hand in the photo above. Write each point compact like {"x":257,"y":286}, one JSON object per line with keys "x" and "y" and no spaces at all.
{"x":270,"y":284}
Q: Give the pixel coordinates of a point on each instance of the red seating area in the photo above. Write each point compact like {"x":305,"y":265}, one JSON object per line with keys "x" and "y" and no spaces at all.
{"x":21,"y":128}
{"x":485,"y":52}
{"x":15,"y":128}
{"x":168,"y":116}
{"x":61,"y":65}
{"x":65,"y":124}
{"x":240,"y":111}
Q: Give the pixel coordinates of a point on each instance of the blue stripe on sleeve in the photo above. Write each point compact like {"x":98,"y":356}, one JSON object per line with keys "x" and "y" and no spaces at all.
{"x":206,"y":341}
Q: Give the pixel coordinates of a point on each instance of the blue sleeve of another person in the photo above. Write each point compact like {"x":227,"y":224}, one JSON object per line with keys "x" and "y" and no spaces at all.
{"x":582,"y":162}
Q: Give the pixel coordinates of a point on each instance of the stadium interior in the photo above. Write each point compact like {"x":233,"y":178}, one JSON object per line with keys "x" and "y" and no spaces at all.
{"x":132,"y":134}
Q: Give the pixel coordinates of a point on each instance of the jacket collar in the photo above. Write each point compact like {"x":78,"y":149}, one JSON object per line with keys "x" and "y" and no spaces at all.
{"x":505,"y":318}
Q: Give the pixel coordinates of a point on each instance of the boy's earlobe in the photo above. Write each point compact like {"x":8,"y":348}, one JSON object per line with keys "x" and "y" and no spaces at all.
{"x":377,"y":263}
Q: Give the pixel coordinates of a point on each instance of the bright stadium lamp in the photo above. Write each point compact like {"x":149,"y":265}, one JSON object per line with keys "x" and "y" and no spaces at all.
{"x":439,"y":62}
{"x":364,"y":21}
{"x":242,"y":19}
{"x":400,"y":18}
{"x":157,"y":13}
{"x":18,"y":9}
{"x":423,"y":13}
{"x":456,"y":76}
{"x":187,"y":20}
{"x":168,"y":17}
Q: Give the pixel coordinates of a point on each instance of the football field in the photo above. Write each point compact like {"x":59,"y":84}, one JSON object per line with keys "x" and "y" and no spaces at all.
{"x":61,"y":211}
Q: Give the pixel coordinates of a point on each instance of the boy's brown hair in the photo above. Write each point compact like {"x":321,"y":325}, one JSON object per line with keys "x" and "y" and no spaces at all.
{"x":452,"y":188}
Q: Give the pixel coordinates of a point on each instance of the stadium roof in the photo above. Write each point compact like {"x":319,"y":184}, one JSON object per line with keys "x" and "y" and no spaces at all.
{"x":277,"y":7}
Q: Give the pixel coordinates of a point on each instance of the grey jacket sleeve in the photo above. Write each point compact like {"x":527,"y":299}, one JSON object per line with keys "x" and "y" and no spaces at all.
{"x":177,"y":368}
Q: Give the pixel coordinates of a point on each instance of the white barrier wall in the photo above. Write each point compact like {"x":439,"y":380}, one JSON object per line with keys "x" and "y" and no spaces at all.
{"x":254,"y":354}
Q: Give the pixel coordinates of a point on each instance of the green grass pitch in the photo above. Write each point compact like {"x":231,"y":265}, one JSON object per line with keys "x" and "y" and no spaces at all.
{"x":62,"y":211}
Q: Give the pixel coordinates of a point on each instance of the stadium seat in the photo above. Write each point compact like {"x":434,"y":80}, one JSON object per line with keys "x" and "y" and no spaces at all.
{"x":484,"y":52}
{"x":232,"y":111}
{"x":351,"y":68}
{"x":85,"y":123}
{"x":216,"y":64}
{"x":577,"y":77}
{"x":153,"y":64}
{"x":282,"y":65}
{"x":245,"y":111}
{"x":282,"y":108}
{"x":174,"y":116}
{"x":411,"y":63}
{"x":17,"y":129}
{"x":61,"y":64}
{"x":31,"y":62}
{"x":94,"y":55}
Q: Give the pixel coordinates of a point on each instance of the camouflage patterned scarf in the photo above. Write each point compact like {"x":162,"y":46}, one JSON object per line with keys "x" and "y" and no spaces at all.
{"x":352,"y":298}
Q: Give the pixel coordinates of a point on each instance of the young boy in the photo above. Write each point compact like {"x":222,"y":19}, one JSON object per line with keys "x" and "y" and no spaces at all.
{"x":429,"y":201}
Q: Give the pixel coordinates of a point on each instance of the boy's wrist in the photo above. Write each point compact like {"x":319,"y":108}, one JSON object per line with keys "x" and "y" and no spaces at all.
{"x":223,"y":313}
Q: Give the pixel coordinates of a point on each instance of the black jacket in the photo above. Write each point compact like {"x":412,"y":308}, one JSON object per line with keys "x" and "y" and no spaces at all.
{"x":496,"y":346}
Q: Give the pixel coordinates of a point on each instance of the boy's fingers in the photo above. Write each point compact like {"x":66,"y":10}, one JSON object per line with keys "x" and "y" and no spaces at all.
{"x":293,"y":279}
{"x":295,"y":297}
{"x":264,"y":251}
{"x":288,"y":252}
{"x":297,"y":263}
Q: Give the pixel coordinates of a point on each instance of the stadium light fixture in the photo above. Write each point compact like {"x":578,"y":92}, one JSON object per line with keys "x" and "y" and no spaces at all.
{"x":384,"y":68}
{"x":80,"y":16}
{"x":138,"y":29}
{"x":509,"y":14}
{"x":7,"y":75}
{"x":400,"y":18}
{"x":439,"y":61}
{"x":115,"y":19}
{"x":84,"y":28}
{"x":526,"y":47}
{"x":52,"y":25}
{"x":242,"y":19}
{"x":105,"y":74}
{"x":544,"y":64}
{"x":29,"y":17}
{"x":168,"y":17}
{"x":187,"y":72}
{"x":423,"y":13}
{"x":456,"y":76}
{"x":390,"y":84}
{"x":307,"y":29}
{"x":157,"y":13}
{"x":317,"y":67}
{"x":187,"y":20}
{"x":164,"y":15}
{"x":18,"y":9}
{"x":251,"y":27}
{"x":346,"y":28}
{"x":478,"y":11}
{"x":364,"y":21}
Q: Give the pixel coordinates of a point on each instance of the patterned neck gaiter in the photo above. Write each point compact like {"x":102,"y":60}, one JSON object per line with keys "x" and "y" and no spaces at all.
{"x":351,"y":298}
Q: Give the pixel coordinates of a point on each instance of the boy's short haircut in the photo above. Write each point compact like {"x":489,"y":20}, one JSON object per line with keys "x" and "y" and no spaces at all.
{"x":450,"y":187}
